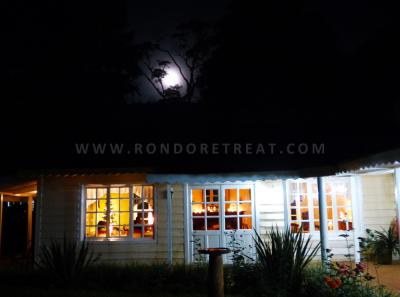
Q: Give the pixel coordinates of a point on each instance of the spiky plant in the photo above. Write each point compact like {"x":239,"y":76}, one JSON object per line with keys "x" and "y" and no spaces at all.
{"x":66,"y":260}
{"x":283,"y":257}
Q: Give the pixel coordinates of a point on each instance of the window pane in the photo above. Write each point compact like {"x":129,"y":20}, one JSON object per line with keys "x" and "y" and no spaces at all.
{"x":245,"y":223}
{"x":314,"y":187}
{"x":124,"y":230}
{"x":303,"y":200}
{"x":148,"y":218}
{"x":148,"y":231}
{"x":102,"y":193}
{"x":293,"y":187}
{"x":114,"y":204}
{"x":148,"y":204}
{"x":213,"y":224}
{"x":124,"y":218}
{"x":211,"y":195}
{"x":316,"y":225}
{"x":114,"y":230}
{"x":213,"y":209}
{"x":316,"y":213}
{"x":197,"y":195}
{"x":315,"y":200}
{"x":114,"y":218}
{"x":91,"y":193}
{"x":101,"y":228}
{"x":102,"y":205}
{"x":294,"y":227}
{"x":340,"y":188}
{"x":328,"y":200}
{"x":245,"y":209}
{"x":340,"y":200}
{"x":349,"y":214}
{"x":114,"y":192}
{"x":231,"y":223}
{"x":137,"y":232}
{"x":329,"y":213}
{"x":231,"y":209}
{"x":90,"y":219}
{"x":137,"y":205}
{"x":328,"y":187}
{"x":230,"y":195}
{"x":101,"y":217}
{"x":91,"y":205}
{"x":90,"y":231}
{"x":244,"y":194}
{"x":293,"y":200}
{"x":304,"y":213}
{"x":148,"y":192}
{"x":293,"y":214}
{"x":198,"y":209}
{"x":124,"y":205}
{"x":342,"y":225}
{"x":303,"y":187}
{"x":330,"y":225}
{"x":138,"y":218}
{"x":341,"y":213}
{"x":306,"y":227}
{"x":198,"y":224}
{"x":137,"y":192}
{"x":124,"y":192}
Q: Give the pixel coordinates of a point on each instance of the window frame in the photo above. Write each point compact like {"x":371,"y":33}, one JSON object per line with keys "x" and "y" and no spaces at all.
{"x":222,"y":204}
{"x":310,"y":183}
{"x":130,"y":236}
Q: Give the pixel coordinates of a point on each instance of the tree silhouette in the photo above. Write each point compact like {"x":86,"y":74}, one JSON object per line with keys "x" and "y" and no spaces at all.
{"x":193,"y":44}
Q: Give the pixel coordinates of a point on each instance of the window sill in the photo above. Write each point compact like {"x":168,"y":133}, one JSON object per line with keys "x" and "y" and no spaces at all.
{"x":121,"y":240}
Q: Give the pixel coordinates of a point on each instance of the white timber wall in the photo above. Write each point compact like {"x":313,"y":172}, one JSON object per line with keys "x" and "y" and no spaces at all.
{"x":270,"y":205}
{"x":378,"y":201}
{"x":61,"y":213}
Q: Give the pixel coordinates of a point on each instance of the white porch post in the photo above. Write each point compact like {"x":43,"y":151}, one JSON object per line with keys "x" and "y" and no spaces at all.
{"x":1,"y":216}
{"x":357,"y":210}
{"x":323,"y":228}
{"x":397,"y":196}
{"x":170,"y":193}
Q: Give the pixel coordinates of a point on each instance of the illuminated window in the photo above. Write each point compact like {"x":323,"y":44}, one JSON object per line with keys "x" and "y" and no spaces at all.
{"x":304,"y":206}
{"x":120,"y":211}
{"x":212,"y":212}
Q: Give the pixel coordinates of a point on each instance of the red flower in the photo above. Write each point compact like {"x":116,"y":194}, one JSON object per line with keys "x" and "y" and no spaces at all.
{"x":333,"y":282}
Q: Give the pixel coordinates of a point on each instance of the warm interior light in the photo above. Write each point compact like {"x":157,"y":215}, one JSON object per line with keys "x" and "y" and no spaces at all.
{"x":150,"y":219}
{"x":197,"y":208}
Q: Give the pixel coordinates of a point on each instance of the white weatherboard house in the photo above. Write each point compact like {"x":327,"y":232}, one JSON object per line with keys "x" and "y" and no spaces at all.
{"x":143,"y":217}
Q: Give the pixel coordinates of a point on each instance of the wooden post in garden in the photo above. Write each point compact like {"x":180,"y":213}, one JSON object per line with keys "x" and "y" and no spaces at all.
{"x":215,"y":279}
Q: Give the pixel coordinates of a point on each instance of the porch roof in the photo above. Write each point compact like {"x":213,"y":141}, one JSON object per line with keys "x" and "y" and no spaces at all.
{"x":373,"y":163}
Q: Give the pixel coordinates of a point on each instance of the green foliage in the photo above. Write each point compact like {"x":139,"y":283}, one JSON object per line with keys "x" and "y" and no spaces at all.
{"x":379,"y":242}
{"x":346,"y":279}
{"x":283,"y":258}
{"x":65,"y":261}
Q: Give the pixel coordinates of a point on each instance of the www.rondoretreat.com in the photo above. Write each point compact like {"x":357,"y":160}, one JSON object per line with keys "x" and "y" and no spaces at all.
{"x":175,"y":148}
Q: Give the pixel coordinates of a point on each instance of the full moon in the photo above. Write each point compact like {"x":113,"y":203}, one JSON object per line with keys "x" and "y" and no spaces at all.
{"x":172,"y":78}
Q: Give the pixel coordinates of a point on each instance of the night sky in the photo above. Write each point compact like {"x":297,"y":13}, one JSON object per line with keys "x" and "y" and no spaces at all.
{"x":282,"y":72}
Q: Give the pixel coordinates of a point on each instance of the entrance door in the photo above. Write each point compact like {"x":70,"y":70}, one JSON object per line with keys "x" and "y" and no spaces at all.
{"x":221,"y":216}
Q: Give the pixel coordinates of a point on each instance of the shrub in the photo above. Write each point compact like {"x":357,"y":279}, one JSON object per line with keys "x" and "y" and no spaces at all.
{"x":65,"y":261}
{"x":283,"y":258}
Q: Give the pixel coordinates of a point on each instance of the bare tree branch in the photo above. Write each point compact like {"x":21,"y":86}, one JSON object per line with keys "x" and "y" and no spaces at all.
{"x":176,"y":64}
{"x":151,"y":82}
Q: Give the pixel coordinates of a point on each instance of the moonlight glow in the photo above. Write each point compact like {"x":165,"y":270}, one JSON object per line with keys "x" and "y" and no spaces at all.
{"x":172,"y":78}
